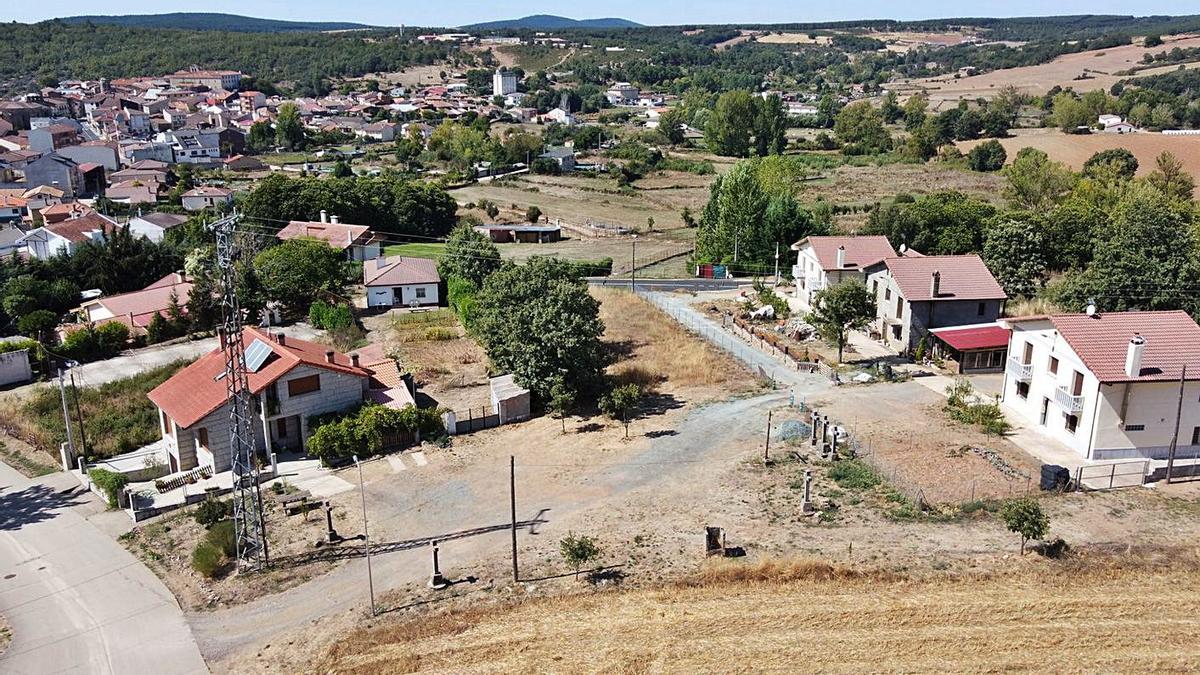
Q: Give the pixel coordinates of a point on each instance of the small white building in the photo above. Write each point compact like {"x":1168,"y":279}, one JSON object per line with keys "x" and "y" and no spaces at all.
{"x":1107,"y":385}
{"x":154,"y":226}
{"x":401,"y":281}
{"x":623,"y":93}
{"x":504,"y":82}
{"x":206,"y":197}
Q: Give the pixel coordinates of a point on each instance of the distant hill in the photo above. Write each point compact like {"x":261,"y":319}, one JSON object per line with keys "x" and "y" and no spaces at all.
{"x":209,"y":21}
{"x":550,"y":22}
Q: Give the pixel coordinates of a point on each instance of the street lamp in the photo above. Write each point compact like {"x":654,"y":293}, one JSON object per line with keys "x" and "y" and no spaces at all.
{"x":633,"y":266}
{"x":362,"y":488}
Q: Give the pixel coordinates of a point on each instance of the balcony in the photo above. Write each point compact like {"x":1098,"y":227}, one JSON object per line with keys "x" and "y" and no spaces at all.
{"x":1023,"y":372}
{"x":1069,"y":402}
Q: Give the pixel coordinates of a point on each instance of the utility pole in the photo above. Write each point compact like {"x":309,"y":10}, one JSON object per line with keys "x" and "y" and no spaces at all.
{"x":83,"y":447}
{"x":1178,"y":415}
{"x":362,"y":488}
{"x":62,"y":392}
{"x":776,"y":263}
{"x":512,"y":500}
{"x":767,"y":449}
{"x":633,"y":267}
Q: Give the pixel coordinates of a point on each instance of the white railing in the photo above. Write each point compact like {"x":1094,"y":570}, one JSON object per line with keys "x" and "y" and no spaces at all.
{"x":1021,"y":371}
{"x":1068,"y":401}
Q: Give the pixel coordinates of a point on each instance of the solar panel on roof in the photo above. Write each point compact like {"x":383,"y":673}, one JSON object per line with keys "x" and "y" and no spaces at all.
{"x":256,"y":355}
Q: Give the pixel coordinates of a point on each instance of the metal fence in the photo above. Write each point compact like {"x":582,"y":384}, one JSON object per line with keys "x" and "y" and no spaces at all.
{"x":1111,"y":476}
{"x":475,"y":419}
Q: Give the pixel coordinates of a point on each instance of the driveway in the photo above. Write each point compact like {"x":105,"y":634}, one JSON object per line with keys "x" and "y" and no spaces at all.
{"x":76,"y":600}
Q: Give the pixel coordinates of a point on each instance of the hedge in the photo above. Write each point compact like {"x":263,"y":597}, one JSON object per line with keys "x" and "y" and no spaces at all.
{"x":110,"y":482}
{"x":365,"y":431}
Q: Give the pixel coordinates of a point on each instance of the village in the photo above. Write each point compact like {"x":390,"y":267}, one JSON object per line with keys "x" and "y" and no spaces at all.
{"x":519,"y":326}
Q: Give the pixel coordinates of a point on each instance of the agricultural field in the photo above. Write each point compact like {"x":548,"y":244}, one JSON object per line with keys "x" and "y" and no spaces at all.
{"x":1084,"y":71}
{"x":1074,"y":150}
{"x":1118,"y":615}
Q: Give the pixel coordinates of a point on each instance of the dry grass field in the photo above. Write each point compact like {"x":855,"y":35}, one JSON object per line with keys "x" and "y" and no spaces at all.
{"x":868,"y":184}
{"x":814,"y":617}
{"x":1075,"y":150}
{"x":1098,"y":66}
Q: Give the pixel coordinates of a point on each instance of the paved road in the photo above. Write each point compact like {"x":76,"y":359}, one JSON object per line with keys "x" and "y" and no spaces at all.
{"x":670,"y":284}
{"x":76,"y":600}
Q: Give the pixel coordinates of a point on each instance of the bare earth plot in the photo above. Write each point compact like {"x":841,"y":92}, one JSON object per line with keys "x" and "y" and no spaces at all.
{"x":1099,"y":66}
{"x":1130,"y":620}
{"x":1074,"y":150}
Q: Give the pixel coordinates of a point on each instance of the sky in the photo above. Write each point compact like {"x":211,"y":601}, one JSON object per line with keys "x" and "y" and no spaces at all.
{"x":652,"y":12}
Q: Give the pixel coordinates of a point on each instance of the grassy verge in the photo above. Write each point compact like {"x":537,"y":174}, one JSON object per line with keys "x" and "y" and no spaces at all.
{"x":413,"y":250}
{"x":28,"y":466}
{"x":117,"y":416}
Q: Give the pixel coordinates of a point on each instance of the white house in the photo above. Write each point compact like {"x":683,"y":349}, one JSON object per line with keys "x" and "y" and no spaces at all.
{"x":357,"y":241}
{"x":154,"y":226}
{"x":206,"y":196}
{"x":623,"y":93}
{"x":399,"y":281}
{"x":825,"y":261}
{"x":1107,"y":385}
{"x":63,"y":237}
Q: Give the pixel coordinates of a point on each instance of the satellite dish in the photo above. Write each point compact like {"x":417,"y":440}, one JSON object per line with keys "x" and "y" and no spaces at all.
{"x":1091,"y":308}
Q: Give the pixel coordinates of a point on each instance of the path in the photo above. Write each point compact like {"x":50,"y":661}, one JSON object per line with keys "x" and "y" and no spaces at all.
{"x":77,"y":601}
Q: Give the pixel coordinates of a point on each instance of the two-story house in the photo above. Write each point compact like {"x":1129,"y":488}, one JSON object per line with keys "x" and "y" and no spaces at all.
{"x":64,"y":237}
{"x":826,"y":261}
{"x":289,"y":380}
{"x":1107,"y":385}
{"x":915,"y":294}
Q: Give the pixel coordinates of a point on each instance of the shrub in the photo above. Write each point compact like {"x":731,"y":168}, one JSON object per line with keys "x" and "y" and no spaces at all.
{"x":365,"y":432}
{"x":330,"y":317}
{"x":223,"y":537}
{"x":1025,"y":517}
{"x":207,"y":559}
{"x":854,"y":474}
{"x":460,"y":295}
{"x":578,"y":551}
{"x":92,"y":342}
{"x":962,"y":407}
{"x":437,"y":334}
{"x":533,"y":214}
{"x":110,"y":482}
{"x":212,"y":511}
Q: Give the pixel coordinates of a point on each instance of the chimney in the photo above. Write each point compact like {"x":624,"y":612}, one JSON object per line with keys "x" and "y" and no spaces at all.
{"x":324,"y":216}
{"x":935,"y":284}
{"x":334,"y":219}
{"x":281,"y":339}
{"x":1133,"y":357}
{"x":354,"y":360}
{"x":841,"y":257}
{"x":329,"y":356}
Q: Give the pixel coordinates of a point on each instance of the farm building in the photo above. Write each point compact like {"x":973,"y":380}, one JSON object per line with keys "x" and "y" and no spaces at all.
{"x":523,"y":233}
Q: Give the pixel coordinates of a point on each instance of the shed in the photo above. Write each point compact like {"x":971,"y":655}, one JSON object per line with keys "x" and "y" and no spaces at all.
{"x":15,"y":366}
{"x":979,"y":348}
{"x":510,"y":401}
{"x":524,"y":233}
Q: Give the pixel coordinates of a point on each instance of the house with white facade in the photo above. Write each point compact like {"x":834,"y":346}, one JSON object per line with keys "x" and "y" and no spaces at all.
{"x":1107,"y":385}
{"x":64,"y":237}
{"x":154,"y":226}
{"x":289,"y":380}
{"x":358,"y":242}
{"x":206,"y":197}
{"x":400,"y":281}
{"x":825,"y":261}
{"x":623,"y":93}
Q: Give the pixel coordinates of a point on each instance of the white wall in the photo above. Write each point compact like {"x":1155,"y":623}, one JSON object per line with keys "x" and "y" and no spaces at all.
{"x":147,"y":229}
{"x":381,"y":296}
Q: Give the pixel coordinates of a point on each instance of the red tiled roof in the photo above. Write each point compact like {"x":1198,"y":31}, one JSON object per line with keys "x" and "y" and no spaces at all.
{"x":141,"y":306}
{"x":338,"y":235}
{"x":208,"y":191}
{"x":399,"y":271}
{"x":197,"y":390}
{"x":860,"y":251}
{"x":968,"y":338}
{"x":963,"y":277}
{"x":80,"y":229}
{"x":1102,"y":342}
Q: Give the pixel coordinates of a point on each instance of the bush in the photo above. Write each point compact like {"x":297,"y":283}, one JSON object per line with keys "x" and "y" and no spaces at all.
{"x":599,"y":267}
{"x":92,"y":342}
{"x":854,"y":474}
{"x":212,"y":511}
{"x":110,"y":482}
{"x":987,"y":156}
{"x":207,"y":559}
{"x":578,"y":551}
{"x":366,"y":431}
{"x":223,"y":537}
{"x":962,"y":407}
{"x":460,"y":295}
{"x":330,"y":317}
{"x":533,"y":214}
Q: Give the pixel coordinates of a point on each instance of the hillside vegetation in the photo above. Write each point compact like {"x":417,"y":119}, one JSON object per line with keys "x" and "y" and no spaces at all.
{"x":212,"y":21}
{"x":813,"y":617}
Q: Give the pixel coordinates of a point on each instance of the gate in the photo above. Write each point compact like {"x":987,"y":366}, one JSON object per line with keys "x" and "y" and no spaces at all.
{"x":475,"y":419}
{"x":1111,"y":476}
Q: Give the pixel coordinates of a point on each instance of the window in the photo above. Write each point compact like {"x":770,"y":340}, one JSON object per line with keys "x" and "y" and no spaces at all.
{"x":202,"y":438}
{"x":1023,"y":389}
{"x":1077,"y":384}
{"x":1027,"y":354}
{"x":982,"y":308}
{"x":875,"y":288}
{"x":281,"y":427}
{"x":1135,"y":427}
{"x":420,"y":292}
{"x":304,"y":385}
{"x":1195,"y":435}
{"x":1071,"y":422}
{"x":1053,"y":368}
{"x":899,"y":308}
{"x":887,"y":293}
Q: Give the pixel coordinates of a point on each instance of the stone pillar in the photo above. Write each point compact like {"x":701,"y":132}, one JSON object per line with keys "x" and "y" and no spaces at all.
{"x":437,"y":581}
{"x":806,"y":506}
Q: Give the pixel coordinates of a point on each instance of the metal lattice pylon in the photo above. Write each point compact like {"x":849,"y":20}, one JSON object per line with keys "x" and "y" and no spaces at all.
{"x":247,"y":498}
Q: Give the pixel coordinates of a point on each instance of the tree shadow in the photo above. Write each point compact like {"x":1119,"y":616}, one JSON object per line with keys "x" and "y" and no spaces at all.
{"x":601,"y":573}
{"x":661,"y":433}
{"x":35,"y":504}
{"x":619,"y":349}
{"x":658,"y":404}
{"x":588,"y":428}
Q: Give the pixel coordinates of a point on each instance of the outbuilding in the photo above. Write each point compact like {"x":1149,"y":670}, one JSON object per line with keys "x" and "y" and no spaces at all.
{"x":978,"y":348}
{"x":401,"y":281}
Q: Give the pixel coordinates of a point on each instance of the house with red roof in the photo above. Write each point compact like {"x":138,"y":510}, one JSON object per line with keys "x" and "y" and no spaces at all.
{"x":289,"y":379}
{"x":826,"y":261}
{"x":64,"y":237}
{"x":358,"y":242}
{"x":1108,"y":385}
{"x":401,"y":281}
{"x":137,"y":309}
{"x":915,"y":294}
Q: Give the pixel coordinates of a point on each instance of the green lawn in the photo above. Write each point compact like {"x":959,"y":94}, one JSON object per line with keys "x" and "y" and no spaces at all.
{"x":425,"y":250}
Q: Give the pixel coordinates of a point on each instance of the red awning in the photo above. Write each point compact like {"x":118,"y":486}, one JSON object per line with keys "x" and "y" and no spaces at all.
{"x":970,"y":338}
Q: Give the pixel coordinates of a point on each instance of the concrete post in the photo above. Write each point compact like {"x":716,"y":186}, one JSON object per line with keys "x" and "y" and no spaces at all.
{"x":437,"y":581}
{"x":806,"y":506}
{"x":330,"y":533}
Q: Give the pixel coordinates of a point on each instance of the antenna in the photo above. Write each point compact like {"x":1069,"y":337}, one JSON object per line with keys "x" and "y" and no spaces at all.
{"x":247,"y":498}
